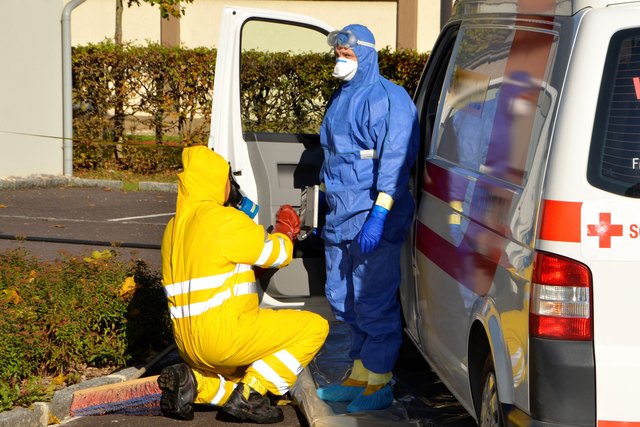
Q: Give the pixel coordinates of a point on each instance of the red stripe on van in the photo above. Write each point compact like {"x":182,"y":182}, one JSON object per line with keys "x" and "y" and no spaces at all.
{"x":425,"y":238}
{"x":560,"y":221}
{"x":436,"y":181}
{"x":618,"y":423}
{"x":473,"y":270}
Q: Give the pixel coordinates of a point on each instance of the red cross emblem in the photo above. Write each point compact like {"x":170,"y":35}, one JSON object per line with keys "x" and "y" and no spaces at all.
{"x":605,"y":230}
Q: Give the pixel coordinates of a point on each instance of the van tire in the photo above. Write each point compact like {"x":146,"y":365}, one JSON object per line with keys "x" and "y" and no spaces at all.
{"x":490,"y":410}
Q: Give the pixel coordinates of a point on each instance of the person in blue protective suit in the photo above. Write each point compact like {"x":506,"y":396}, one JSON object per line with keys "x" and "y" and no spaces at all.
{"x":370,"y":138}
{"x":235,"y":351}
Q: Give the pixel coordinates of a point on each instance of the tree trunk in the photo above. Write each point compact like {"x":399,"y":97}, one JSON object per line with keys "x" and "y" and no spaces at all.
{"x":117,"y":38}
{"x":118,"y":116}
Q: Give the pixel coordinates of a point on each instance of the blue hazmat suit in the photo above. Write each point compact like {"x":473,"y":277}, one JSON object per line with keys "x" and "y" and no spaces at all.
{"x":370,"y":138}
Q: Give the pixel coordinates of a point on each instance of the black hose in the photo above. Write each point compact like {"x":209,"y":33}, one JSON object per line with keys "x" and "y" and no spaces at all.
{"x":78,"y":241}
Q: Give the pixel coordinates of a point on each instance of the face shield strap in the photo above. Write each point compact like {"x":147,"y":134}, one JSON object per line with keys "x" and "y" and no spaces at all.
{"x":235,"y":196}
{"x":346,"y":39}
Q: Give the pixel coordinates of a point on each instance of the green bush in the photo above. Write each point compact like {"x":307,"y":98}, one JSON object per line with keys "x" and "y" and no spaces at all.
{"x":283,"y":92}
{"x":136,"y":107}
{"x":60,"y":317}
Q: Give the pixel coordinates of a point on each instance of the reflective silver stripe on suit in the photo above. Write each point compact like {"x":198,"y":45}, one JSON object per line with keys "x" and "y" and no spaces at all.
{"x":282,"y":257}
{"x":195,"y":309}
{"x":203,"y":283}
{"x":268,"y":250}
{"x":271,"y":375}
{"x":221,"y":391}
{"x":291,"y":362}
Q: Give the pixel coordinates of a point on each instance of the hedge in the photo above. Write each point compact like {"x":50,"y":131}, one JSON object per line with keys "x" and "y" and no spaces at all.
{"x":128,"y":99}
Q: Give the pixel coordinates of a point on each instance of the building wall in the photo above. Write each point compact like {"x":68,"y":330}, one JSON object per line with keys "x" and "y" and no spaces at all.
{"x":379,"y":16}
{"x":428,"y":23}
{"x":199,"y":25}
{"x":31,"y":88}
{"x":94,"y":20}
{"x":31,"y":116}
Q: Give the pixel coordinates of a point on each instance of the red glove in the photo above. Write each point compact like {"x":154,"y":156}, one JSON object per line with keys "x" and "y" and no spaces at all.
{"x":287,"y":222}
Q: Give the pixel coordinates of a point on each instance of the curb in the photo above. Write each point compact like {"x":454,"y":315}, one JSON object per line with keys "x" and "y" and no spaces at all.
{"x":58,"y":409}
{"x":158,"y":186}
{"x":47,"y":181}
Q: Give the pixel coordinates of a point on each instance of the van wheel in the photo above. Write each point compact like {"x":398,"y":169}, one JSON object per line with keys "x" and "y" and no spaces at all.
{"x":490,"y":412}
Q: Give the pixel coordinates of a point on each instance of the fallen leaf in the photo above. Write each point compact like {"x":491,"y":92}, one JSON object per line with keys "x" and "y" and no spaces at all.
{"x":59,"y":380}
{"x":96,"y":255}
{"x":128,"y":286}
{"x":11,"y":295}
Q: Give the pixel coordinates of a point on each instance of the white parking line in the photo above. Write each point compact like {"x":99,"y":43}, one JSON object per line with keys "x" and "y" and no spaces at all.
{"x":139,"y":217}
{"x":49,"y":218}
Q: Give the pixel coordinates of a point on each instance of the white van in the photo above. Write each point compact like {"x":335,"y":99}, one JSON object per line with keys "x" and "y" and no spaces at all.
{"x":520,"y":275}
{"x":525,"y":246}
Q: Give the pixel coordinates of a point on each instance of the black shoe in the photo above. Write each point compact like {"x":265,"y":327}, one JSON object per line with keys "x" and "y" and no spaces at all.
{"x":257,"y":408}
{"x":179,"y":390}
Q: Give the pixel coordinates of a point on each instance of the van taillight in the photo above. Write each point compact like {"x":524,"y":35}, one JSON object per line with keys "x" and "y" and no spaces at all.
{"x":560,"y":306}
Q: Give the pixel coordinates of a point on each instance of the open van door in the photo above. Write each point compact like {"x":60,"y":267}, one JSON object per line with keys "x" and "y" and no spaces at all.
{"x":268,"y":131}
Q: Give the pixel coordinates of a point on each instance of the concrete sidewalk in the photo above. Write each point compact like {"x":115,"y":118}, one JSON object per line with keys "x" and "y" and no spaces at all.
{"x":45,"y":181}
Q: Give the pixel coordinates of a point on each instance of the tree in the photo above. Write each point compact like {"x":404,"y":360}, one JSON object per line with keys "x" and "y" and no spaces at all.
{"x":167,"y":8}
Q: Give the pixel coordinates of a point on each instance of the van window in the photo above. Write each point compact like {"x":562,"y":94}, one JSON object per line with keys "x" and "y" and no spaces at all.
{"x":614,"y":159}
{"x":276,"y":96}
{"x":493,"y":98}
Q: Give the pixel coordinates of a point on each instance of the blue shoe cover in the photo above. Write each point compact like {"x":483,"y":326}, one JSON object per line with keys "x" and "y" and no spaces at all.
{"x":381,"y":399}
{"x":339,"y":393}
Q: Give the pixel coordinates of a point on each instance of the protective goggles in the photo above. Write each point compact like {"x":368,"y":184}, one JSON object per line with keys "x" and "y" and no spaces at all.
{"x":346,"y":39}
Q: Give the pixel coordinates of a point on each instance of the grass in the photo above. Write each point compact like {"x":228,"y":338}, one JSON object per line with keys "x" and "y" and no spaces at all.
{"x":130,"y":180}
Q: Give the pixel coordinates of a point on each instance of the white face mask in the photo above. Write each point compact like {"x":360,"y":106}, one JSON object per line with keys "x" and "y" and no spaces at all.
{"x":345,"y":69}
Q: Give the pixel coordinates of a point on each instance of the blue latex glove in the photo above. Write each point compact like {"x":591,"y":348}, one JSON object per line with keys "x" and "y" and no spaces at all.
{"x":371,"y":233}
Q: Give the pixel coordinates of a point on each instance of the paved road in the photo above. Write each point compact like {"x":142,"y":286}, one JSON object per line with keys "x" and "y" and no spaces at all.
{"x":204,"y":417}
{"x":54,"y":222}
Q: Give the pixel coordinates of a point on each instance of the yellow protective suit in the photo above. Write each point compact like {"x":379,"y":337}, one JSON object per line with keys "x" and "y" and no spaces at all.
{"x":207,"y":253}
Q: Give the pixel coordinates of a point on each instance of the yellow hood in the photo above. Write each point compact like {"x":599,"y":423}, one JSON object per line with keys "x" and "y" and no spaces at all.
{"x":204,"y":178}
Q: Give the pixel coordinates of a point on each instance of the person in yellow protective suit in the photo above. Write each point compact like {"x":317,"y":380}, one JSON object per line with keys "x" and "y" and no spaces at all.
{"x":235,"y":352}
